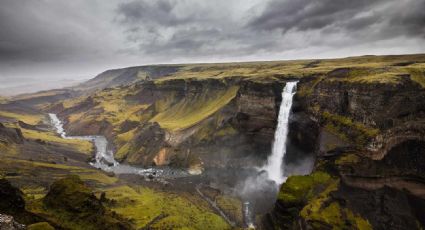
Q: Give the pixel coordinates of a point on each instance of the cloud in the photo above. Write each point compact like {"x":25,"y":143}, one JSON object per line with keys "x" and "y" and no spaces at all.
{"x":65,"y":39}
{"x":378,"y":18}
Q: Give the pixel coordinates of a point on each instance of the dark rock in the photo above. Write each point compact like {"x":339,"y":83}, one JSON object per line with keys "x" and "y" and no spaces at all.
{"x":11,"y":198}
{"x":11,"y":135}
{"x":384,"y":208}
{"x":70,"y":195}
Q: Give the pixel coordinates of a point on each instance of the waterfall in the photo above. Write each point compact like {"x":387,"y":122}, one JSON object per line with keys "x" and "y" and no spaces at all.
{"x":274,"y":167}
{"x":247,"y":215}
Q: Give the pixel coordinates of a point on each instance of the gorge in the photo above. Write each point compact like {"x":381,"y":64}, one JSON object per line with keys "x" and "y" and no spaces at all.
{"x":308,"y":144}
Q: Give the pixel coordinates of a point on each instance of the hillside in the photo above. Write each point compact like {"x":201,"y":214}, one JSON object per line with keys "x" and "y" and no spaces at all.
{"x":357,"y":125}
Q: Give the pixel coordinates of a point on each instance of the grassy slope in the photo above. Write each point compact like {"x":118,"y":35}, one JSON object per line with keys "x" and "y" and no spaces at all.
{"x":143,"y":205}
{"x":178,"y":115}
{"x":190,"y":111}
{"x":372,"y":68}
{"x":47,"y":136}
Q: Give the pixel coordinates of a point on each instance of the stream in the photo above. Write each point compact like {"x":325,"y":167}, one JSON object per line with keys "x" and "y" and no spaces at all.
{"x":104,"y":157}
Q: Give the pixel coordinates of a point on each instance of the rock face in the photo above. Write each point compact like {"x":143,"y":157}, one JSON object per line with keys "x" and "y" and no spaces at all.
{"x":11,"y":198}
{"x":219,"y":121}
{"x":71,"y":197}
{"x":370,"y":140}
{"x":12,"y":203}
{"x":10,"y":135}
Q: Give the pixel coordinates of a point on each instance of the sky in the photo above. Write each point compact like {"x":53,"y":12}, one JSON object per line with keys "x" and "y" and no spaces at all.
{"x":50,"y":43}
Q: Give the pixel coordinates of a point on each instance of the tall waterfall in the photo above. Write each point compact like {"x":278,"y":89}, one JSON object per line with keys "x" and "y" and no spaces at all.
{"x":274,"y":166}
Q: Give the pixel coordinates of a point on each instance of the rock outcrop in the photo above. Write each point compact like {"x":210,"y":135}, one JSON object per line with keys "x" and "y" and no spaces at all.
{"x":9,"y":223}
{"x":371,"y":143}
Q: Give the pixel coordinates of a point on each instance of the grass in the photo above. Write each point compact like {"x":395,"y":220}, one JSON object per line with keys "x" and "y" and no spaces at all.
{"x":368,"y":69}
{"x":418,"y":76}
{"x":347,"y":159}
{"x":40,"y":226}
{"x":190,"y":111}
{"x":232,"y":206}
{"x":79,"y":145}
{"x":9,"y":149}
{"x":341,"y":126}
{"x":300,"y":189}
{"x":71,"y":204}
{"x":143,"y":205}
{"x":27,"y":118}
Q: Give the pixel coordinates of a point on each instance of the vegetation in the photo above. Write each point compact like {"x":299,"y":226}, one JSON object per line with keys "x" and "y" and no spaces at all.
{"x":348,"y":159}
{"x":418,"y":75}
{"x":31,"y":119}
{"x":71,"y":204}
{"x":40,"y":226}
{"x":159,"y":210}
{"x":82,"y":146}
{"x":347,"y":129}
{"x":300,"y":189}
{"x":190,"y":111}
{"x":321,"y":213}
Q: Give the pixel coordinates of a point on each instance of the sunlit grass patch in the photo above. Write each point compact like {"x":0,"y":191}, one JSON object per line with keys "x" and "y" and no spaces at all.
{"x":82,"y":146}
{"x":193,"y":110}
{"x":31,"y":119}
{"x":143,"y":205}
{"x":418,"y":75}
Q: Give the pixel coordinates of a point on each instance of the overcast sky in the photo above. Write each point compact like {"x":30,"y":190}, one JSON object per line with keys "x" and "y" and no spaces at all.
{"x":64,"y":40}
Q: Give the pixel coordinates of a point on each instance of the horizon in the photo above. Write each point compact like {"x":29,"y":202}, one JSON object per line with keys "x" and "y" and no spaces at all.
{"x":15,"y":89}
{"x":51,"y":41}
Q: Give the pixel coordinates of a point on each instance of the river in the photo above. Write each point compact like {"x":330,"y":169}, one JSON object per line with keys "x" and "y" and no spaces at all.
{"x":104,"y":156}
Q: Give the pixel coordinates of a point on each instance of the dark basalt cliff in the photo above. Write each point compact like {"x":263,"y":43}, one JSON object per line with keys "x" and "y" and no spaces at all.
{"x":224,"y":133}
{"x":370,"y":147}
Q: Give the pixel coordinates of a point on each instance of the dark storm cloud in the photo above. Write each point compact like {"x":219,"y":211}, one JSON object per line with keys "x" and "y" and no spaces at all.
{"x":64,"y":39}
{"x":307,"y":14}
{"x":157,"y":12}
{"x":391,"y":17}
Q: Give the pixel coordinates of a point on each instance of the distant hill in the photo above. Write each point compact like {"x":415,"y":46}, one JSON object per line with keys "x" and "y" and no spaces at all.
{"x":125,"y":76}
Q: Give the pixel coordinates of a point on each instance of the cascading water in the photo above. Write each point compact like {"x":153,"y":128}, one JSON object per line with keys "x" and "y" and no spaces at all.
{"x":274,"y":167}
{"x":104,"y":158}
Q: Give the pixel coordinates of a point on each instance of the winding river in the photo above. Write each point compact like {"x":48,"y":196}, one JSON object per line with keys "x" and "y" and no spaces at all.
{"x":104,"y":157}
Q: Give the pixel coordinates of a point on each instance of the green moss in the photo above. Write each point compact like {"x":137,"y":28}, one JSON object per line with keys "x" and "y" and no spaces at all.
{"x":308,"y":89}
{"x":348,"y":159}
{"x":322,"y":212}
{"x":169,"y":211}
{"x":71,"y":204}
{"x":40,"y":226}
{"x":418,"y":76}
{"x":348,"y":130}
{"x":335,"y":217}
{"x":82,"y":146}
{"x":226,"y":131}
{"x":299,"y":189}
{"x":190,"y":111}
{"x":232,"y":206}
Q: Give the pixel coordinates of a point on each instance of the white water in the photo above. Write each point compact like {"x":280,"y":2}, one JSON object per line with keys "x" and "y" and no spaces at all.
{"x":247,"y":215}
{"x":104,"y":158}
{"x":274,"y":167}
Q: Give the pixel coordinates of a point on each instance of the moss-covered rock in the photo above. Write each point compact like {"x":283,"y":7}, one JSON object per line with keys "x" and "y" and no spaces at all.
{"x":40,"y":226}
{"x":71,"y":204}
{"x":299,"y":189}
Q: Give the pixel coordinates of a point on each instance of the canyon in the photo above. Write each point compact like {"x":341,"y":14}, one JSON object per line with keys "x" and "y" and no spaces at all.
{"x":201,"y":134}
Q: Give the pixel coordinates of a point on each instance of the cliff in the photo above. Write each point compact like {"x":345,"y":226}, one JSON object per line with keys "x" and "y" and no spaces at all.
{"x":362,"y":118}
{"x":370,"y":144}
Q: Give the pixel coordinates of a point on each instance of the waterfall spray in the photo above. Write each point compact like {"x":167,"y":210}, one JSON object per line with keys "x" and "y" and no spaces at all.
{"x":274,"y":167}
